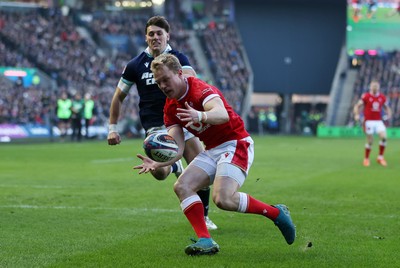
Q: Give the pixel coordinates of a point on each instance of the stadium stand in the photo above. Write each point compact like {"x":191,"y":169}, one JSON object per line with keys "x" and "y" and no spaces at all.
{"x":223,"y":48}
{"x":51,"y":42}
{"x":57,"y":44}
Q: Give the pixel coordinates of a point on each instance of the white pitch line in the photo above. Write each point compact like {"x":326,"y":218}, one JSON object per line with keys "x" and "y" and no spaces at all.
{"x":112,"y":160}
{"x":31,"y":186}
{"x":134,"y":210}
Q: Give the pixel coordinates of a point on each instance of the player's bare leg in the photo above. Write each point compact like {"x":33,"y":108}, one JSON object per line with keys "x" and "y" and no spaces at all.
{"x":382,"y":145}
{"x":367,"y":151}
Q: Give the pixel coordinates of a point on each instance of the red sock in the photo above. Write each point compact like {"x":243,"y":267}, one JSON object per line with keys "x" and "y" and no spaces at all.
{"x":367,"y":151}
{"x":255,"y":206}
{"x":194,"y":212}
{"x":382,"y":147}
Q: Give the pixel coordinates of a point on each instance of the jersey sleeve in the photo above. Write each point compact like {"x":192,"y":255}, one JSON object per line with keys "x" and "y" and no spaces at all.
{"x":127,"y":78}
{"x":184,"y":61}
{"x":364,"y":97}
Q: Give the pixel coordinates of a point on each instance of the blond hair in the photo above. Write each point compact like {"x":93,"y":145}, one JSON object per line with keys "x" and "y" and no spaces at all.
{"x":167,"y":60}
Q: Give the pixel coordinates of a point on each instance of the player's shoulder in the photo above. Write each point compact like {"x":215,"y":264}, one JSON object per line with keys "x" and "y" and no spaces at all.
{"x":180,"y":55}
{"x":202,"y":87}
{"x":135,"y":66}
{"x":134,"y":62}
{"x":197,"y":82}
{"x":365,"y":95}
{"x":175,"y":52}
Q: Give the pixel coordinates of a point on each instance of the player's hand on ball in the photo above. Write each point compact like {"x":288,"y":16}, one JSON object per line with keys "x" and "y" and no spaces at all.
{"x":147,"y":164}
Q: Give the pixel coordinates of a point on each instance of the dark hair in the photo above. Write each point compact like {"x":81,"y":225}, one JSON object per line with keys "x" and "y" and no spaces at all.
{"x":159,"y":21}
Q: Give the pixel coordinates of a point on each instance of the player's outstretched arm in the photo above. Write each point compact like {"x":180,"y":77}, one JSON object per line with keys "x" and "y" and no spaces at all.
{"x":148,"y":164}
{"x":113,"y":137}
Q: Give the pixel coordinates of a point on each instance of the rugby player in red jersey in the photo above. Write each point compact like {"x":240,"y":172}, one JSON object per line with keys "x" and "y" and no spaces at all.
{"x":229,"y":152}
{"x":373,"y":103}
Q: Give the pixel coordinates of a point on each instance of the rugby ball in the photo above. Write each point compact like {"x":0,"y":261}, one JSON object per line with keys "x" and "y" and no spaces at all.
{"x":160,"y":147}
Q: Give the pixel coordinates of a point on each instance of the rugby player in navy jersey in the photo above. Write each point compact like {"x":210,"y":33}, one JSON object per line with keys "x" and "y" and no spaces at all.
{"x":152,"y":100}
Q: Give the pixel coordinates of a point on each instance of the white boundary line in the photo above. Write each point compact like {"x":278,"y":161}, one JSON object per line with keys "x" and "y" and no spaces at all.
{"x":134,"y":210}
{"x":112,"y":160}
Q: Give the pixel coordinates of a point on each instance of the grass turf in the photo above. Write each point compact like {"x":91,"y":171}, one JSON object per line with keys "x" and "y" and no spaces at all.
{"x":82,"y":205}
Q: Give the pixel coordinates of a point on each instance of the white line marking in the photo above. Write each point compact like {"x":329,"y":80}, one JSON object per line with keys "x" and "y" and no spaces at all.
{"x":32,"y":186}
{"x":113,"y":160}
{"x":134,"y":210}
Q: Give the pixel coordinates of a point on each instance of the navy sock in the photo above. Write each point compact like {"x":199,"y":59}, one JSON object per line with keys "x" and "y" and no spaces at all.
{"x":204,"y":195}
{"x":174,"y":167}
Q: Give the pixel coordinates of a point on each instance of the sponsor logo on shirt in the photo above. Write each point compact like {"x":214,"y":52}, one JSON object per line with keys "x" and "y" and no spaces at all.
{"x":148,"y":77}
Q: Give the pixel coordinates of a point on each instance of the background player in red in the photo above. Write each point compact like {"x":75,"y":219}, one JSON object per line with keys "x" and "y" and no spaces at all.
{"x":201,"y":109}
{"x":374,"y":102}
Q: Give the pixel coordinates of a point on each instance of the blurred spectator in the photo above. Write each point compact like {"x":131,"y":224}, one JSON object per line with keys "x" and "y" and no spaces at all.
{"x":89,"y":113}
{"x":64,"y":113}
{"x":51,"y":41}
{"x":78,"y":109}
{"x":223,"y":47}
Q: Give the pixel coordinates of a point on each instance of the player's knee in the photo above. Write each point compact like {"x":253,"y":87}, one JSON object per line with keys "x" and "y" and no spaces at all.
{"x":179,"y":188}
{"x":218,"y":201}
{"x":221,"y":201}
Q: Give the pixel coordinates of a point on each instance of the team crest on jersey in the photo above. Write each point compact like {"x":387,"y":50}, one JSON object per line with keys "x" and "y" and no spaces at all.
{"x":146,"y":64}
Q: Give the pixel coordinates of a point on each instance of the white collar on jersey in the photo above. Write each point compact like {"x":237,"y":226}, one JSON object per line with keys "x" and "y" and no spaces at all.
{"x":187,"y":89}
{"x":167,"y":49}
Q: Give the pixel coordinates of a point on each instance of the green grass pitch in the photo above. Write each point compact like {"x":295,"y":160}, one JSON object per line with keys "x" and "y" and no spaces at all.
{"x":82,"y":205}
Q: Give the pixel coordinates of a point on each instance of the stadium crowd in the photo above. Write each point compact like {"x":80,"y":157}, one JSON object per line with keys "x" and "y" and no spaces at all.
{"x":223,"y":48}
{"x":85,"y":63}
{"x":78,"y":56}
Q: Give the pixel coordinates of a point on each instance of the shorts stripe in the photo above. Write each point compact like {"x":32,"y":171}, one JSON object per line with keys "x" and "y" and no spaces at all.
{"x":241,"y":157}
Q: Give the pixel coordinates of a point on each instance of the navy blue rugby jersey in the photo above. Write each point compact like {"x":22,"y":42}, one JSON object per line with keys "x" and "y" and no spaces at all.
{"x":152,"y":100}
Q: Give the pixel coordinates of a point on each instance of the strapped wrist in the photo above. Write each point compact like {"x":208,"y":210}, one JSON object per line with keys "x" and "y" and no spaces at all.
{"x":205,"y":117}
{"x":112,"y":128}
{"x":199,"y":116}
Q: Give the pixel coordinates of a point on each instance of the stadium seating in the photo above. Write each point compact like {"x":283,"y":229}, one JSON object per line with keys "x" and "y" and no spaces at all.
{"x":223,"y":48}
{"x":54,"y":43}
